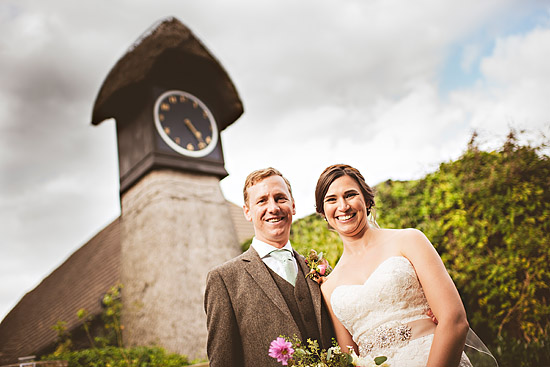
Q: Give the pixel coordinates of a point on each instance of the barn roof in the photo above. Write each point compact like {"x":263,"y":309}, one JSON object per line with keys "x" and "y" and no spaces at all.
{"x":80,"y":282}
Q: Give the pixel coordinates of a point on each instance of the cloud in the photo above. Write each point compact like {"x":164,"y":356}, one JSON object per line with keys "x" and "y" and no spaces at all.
{"x":515,"y":85}
{"x":321,"y":82}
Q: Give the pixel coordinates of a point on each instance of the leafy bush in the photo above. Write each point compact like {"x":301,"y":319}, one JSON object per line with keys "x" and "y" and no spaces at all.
{"x":112,"y":356}
{"x":110,"y":352}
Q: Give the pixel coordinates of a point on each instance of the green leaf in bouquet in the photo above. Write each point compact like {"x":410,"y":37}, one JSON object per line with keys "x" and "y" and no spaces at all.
{"x":380,"y":360}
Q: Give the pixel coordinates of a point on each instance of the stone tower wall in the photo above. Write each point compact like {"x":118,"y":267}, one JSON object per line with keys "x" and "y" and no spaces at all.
{"x":174,"y":228}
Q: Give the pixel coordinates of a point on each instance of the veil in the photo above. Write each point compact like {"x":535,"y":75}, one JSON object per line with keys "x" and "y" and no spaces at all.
{"x":371,"y":217}
{"x":477,"y":351}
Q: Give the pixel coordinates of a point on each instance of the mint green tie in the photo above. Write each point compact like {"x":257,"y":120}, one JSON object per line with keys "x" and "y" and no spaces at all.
{"x":285,"y":258}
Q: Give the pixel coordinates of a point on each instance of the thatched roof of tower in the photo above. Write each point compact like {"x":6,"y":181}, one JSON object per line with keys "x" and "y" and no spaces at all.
{"x":168,"y":56}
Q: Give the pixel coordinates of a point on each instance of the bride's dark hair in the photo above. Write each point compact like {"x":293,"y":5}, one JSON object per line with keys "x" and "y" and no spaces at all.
{"x":330,"y":174}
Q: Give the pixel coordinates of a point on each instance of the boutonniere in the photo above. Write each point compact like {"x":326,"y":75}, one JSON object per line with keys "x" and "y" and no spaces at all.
{"x":318,"y":266}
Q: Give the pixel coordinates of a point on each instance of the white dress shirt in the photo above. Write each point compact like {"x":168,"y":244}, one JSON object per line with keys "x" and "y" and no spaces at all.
{"x":263,"y":249}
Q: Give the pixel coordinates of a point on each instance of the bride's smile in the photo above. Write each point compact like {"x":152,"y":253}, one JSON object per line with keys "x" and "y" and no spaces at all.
{"x":346,"y":217}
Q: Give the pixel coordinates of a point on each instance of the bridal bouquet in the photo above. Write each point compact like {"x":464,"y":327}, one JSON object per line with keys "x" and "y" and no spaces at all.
{"x":292,"y":352}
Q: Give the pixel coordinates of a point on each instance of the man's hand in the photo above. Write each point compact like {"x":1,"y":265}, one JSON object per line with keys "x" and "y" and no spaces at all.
{"x":432,"y":316}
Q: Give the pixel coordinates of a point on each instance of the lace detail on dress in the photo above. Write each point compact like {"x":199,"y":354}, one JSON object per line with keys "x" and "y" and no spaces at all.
{"x":389,"y":299}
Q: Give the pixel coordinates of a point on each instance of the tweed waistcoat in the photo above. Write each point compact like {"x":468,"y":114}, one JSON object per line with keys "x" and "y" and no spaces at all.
{"x":299,"y":302}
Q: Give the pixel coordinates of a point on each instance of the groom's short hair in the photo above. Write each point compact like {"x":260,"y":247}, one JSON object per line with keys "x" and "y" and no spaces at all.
{"x":256,"y":176}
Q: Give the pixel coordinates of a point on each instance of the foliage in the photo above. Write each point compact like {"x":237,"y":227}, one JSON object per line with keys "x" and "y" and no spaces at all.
{"x":64,"y":342}
{"x":86,"y":319}
{"x":312,"y":231}
{"x":111,"y":317}
{"x":487,"y":215}
{"x":246,"y":244}
{"x":106,"y":349}
{"x":112,"y":356}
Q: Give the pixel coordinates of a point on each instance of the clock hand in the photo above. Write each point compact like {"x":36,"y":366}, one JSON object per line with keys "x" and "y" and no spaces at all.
{"x":194,"y":131}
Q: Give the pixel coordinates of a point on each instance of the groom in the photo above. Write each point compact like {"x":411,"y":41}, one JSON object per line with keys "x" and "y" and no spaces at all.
{"x":259,"y":295}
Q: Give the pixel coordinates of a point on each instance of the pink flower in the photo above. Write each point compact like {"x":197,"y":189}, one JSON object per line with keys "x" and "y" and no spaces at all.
{"x":282,"y":350}
{"x":322,"y":268}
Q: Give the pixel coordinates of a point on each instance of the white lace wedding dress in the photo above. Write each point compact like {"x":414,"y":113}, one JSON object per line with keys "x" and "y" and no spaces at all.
{"x":376,"y":313}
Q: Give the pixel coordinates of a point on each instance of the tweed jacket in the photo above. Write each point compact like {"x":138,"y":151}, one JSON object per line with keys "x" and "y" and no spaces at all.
{"x":245,"y":311}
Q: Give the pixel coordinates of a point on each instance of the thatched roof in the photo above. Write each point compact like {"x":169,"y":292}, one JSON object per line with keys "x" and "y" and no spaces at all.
{"x":167,"y":56}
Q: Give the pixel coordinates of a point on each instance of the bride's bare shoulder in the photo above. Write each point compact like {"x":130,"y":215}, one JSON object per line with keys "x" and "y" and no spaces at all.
{"x":405,"y":233}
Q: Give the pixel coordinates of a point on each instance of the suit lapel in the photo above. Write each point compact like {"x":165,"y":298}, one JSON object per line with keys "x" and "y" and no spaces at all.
{"x":258,"y":271}
{"x":314,"y":290}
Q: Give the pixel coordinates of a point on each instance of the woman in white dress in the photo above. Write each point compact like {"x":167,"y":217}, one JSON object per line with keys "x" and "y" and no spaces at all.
{"x":385,"y":282}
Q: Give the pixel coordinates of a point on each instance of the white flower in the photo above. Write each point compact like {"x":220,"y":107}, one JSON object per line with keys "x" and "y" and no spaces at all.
{"x":367,"y":361}
{"x":336,"y":350}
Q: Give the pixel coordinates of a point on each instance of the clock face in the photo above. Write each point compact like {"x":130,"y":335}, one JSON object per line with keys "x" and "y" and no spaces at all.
{"x":185,"y":123}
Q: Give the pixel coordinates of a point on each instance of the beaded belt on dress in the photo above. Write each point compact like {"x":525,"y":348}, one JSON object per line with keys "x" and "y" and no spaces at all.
{"x":385,"y":336}
{"x":395,"y":334}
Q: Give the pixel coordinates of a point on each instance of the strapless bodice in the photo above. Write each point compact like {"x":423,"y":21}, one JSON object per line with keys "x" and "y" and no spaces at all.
{"x":377,"y":313}
{"x":391,"y":296}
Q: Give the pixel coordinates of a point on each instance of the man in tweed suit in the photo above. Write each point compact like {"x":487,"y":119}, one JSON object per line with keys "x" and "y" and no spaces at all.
{"x":251,"y":299}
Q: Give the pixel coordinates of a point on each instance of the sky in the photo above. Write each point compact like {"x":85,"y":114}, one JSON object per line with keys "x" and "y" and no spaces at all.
{"x":392,"y":87}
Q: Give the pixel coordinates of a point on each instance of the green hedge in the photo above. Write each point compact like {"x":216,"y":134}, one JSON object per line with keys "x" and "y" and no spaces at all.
{"x":121,"y":357}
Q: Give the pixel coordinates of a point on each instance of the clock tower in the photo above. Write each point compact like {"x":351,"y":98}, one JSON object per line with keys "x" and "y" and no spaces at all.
{"x":171,"y":99}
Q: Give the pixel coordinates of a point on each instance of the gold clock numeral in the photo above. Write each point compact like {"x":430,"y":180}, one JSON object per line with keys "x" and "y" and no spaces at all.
{"x":202,"y":145}
{"x":161,"y":117}
{"x":190,"y":147}
{"x":172,"y":99}
{"x":208,"y":140}
{"x":165,"y":107}
{"x":167,"y":130}
{"x":195,"y":104}
{"x":204,"y":115}
{"x":182,"y":99}
{"x":177,"y":140}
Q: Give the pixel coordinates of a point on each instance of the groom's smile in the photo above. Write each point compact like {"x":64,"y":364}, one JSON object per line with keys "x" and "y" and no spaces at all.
{"x":274,"y":220}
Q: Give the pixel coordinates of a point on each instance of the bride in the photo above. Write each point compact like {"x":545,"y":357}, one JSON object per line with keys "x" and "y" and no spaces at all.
{"x":385,"y":282}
